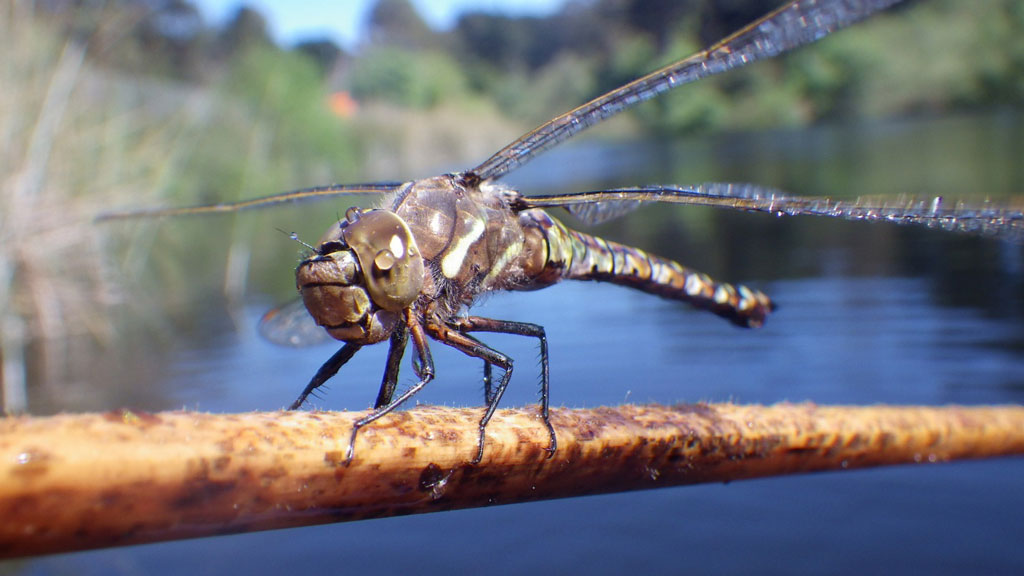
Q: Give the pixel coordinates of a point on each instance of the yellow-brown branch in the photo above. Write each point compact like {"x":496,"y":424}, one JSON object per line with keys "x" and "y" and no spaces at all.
{"x":74,"y":482}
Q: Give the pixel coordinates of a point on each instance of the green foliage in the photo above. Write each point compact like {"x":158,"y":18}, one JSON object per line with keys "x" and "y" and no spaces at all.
{"x":271,"y":130}
{"x":560,"y":86}
{"x":698,"y":107}
{"x":556,"y":88}
{"x":632,"y":57}
{"x":934,"y":57}
{"x":407,"y":78}
{"x":925,"y":57}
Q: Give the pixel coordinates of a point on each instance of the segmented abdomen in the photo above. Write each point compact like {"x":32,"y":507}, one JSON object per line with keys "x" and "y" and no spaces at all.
{"x":578,"y":256}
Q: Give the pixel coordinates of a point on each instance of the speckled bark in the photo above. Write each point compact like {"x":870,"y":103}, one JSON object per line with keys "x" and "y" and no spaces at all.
{"x":73,"y":482}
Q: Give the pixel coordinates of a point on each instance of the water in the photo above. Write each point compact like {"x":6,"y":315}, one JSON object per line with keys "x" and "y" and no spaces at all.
{"x":868,"y":314}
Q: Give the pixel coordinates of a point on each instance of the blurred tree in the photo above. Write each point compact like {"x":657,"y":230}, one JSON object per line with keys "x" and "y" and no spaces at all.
{"x":152,"y":37}
{"x":246,"y":29}
{"x":531,"y":43}
{"x":414,"y":79}
{"x":1001,"y":72}
{"x":325,"y":53}
{"x":397,"y":23}
{"x":505,"y":42}
{"x":174,"y":32}
{"x":659,"y":18}
{"x":490,"y":38}
{"x":720,"y":18}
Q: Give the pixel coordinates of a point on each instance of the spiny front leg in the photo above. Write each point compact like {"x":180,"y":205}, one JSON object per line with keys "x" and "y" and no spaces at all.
{"x":329,"y":369}
{"x":488,"y":378}
{"x":488,"y":383}
{"x":423,"y":366}
{"x":479,"y":324}
{"x":473,"y":347}
{"x":399,"y":338}
{"x":454,"y":335}
{"x":387,"y":387}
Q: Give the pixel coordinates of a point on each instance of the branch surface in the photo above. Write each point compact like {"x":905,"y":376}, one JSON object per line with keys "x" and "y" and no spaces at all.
{"x":74,"y":482}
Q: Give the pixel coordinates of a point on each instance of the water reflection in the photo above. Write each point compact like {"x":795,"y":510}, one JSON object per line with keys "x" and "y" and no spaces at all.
{"x":809,"y":265}
{"x":868,"y":313}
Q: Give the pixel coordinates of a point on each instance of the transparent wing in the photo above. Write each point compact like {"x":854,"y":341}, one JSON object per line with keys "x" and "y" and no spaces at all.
{"x":987,"y":218}
{"x":291,"y":325}
{"x":597,"y":212}
{"x":303,"y":195}
{"x":793,"y":25}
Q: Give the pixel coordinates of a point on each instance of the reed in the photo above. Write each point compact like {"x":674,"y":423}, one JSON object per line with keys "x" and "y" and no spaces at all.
{"x":72,"y":139}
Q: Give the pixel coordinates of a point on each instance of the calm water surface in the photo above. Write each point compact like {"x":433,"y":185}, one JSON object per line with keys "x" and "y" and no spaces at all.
{"x":868,"y":314}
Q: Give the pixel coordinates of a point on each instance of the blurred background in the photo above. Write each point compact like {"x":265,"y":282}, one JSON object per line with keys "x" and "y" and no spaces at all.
{"x":122,"y":104}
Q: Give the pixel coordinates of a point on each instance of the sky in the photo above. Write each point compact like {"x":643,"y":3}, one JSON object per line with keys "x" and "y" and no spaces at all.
{"x":342,"y":20}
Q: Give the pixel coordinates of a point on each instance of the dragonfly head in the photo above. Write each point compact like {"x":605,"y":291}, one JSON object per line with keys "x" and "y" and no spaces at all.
{"x":366,"y":270}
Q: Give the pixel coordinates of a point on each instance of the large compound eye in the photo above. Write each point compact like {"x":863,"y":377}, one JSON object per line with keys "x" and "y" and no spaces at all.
{"x":388,"y":254}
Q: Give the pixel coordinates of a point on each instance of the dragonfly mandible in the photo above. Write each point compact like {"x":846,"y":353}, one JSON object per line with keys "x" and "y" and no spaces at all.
{"x":411,"y":268}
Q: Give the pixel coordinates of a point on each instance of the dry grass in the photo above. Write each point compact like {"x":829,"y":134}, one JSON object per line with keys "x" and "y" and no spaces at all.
{"x":72,"y":141}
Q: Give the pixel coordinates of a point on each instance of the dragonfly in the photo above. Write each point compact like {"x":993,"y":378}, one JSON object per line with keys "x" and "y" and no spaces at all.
{"x":411,"y":268}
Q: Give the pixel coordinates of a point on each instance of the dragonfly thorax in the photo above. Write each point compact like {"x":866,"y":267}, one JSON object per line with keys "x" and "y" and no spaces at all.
{"x":366,"y":270}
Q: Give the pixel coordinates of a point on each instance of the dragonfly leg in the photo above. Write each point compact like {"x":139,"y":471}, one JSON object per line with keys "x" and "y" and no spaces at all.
{"x":399,"y":338}
{"x":488,"y":379}
{"x":454,"y":335}
{"x":424,"y":368}
{"x":479,"y":324}
{"x":329,"y":369}
{"x":473,"y":347}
